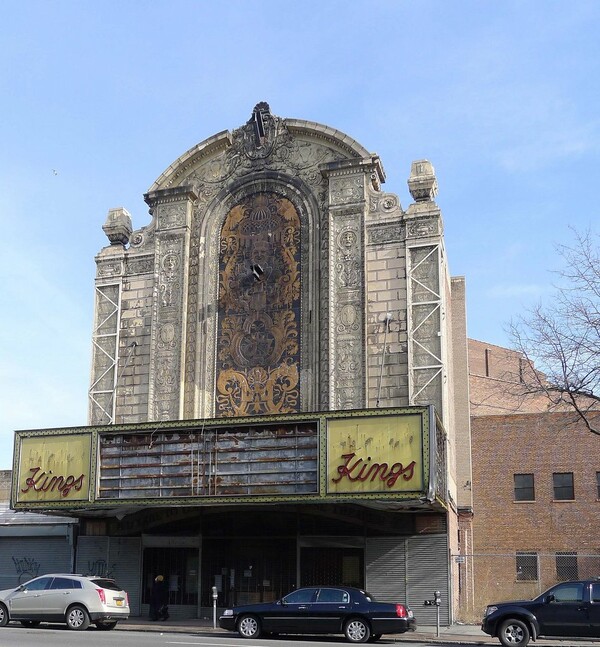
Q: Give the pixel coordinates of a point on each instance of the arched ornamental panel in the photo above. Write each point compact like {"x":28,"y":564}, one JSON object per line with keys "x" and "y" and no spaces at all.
{"x":259,"y":308}
{"x":258,"y":345}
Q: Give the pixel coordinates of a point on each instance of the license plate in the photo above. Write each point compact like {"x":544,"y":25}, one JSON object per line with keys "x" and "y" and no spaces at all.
{"x":119,"y":603}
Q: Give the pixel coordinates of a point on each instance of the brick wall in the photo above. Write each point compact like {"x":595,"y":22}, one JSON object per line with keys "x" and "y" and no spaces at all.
{"x":538,"y":444}
{"x":496,"y":385}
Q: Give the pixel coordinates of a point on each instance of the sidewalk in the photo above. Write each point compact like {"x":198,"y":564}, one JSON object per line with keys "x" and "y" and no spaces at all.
{"x":454,"y":634}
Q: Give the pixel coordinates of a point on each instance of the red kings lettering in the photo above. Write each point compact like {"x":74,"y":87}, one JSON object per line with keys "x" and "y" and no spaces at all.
{"x":361,"y":470}
{"x":41,"y":481}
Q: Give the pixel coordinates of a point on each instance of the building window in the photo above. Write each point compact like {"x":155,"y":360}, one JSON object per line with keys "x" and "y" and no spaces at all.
{"x":527,"y":566}
{"x":524,"y":490}
{"x":563,"y":486}
{"x":566,"y":566}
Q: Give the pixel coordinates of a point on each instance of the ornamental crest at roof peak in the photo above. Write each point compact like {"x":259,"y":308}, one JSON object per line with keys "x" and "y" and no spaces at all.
{"x":260,"y":136}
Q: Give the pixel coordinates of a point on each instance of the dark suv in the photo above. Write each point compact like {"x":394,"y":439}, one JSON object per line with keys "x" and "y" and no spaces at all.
{"x":567,"y":610}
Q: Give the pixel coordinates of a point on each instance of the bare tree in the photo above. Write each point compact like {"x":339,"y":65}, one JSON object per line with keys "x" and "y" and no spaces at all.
{"x":562,"y":337}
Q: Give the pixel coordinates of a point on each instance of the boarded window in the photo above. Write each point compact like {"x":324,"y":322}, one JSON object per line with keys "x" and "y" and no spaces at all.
{"x":566,"y":566}
{"x":527,"y":566}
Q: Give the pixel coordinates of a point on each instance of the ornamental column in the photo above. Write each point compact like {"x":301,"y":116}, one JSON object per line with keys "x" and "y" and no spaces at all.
{"x":172,"y":212}
{"x":349,"y":183}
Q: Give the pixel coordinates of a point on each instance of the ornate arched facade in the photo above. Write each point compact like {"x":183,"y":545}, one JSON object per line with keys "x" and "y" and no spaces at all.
{"x":276,"y":277}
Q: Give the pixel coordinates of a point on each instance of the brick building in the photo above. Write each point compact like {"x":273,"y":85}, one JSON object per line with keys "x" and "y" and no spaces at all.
{"x":536,"y":485}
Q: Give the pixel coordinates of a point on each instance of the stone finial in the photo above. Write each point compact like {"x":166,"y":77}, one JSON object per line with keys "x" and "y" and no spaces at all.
{"x":422,"y":182}
{"x":262,"y":106}
{"x":118,"y":226}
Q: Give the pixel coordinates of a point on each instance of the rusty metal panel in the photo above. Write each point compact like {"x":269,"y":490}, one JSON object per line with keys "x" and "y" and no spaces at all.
{"x":212,"y":462}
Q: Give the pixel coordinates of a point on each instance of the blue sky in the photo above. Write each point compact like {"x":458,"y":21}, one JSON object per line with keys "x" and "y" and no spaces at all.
{"x":100,"y":97}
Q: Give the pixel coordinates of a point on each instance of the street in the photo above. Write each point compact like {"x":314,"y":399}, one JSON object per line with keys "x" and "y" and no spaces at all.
{"x":14,"y":635}
{"x":57,"y":636}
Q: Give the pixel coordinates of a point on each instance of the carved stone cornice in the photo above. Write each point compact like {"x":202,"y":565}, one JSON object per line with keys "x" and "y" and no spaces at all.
{"x":369,"y":165}
{"x":171,"y":195}
{"x":382,"y":233}
{"x":143,"y":264}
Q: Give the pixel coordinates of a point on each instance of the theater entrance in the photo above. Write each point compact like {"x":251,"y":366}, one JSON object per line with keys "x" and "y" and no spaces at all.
{"x":249,"y":570}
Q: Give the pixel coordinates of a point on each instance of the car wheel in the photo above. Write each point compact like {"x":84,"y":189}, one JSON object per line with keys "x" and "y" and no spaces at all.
{"x":513,"y":633}
{"x":3,"y":615}
{"x":107,"y":625}
{"x":30,"y":623}
{"x":77,"y":618}
{"x":249,"y":627}
{"x":357,"y":631}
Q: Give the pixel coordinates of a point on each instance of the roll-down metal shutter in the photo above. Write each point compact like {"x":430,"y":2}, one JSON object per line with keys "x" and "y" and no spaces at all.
{"x":385,"y":565}
{"x":427,"y":571}
{"x":117,"y":557}
{"x":22,"y":558}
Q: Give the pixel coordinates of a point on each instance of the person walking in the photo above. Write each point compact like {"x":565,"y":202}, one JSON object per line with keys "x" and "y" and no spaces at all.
{"x":159,"y":599}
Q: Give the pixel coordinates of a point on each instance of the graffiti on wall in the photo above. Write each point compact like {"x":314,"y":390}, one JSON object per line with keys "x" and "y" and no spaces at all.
{"x":101,"y":567}
{"x":26,"y":567}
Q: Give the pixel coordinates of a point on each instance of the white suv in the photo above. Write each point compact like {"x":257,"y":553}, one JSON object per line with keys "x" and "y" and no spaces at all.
{"x":77,"y":600}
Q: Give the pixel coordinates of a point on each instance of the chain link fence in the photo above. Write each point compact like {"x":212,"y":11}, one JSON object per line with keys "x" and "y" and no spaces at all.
{"x":487,"y":578}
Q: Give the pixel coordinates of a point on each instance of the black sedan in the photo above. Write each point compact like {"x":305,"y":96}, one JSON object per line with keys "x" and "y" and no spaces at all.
{"x":321,"y":610}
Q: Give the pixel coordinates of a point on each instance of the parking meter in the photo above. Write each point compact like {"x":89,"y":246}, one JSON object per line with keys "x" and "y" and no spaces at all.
{"x":436,"y":602}
{"x":215,"y":595}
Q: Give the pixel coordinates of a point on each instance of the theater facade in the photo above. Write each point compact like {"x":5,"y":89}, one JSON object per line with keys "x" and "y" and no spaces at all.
{"x":279,"y":383}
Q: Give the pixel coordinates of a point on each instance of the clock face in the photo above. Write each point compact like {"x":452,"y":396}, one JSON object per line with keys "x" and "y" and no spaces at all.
{"x":258,"y":348}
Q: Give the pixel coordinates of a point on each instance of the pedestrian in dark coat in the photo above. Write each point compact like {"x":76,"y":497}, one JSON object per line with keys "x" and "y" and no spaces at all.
{"x":159,"y":599}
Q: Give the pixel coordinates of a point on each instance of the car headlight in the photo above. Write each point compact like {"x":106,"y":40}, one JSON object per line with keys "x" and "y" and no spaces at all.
{"x":489,"y":610}
{"x":228,"y":612}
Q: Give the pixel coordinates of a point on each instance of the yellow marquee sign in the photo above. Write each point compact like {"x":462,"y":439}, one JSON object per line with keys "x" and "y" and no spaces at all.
{"x":379,"y":454}
{"x":383,"y":454}
{"x":54,"y":468}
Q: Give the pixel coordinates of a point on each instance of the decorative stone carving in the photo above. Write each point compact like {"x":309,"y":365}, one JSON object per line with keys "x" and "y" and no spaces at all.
{"x":109,"y":267}
{"x":168,"y":278}
{"x":422,"y":183}
{"x":140,"y":265}
{"x":172,"y":211}
{"x":348,"y":319}
{"x":386,"y":233}
{"x":348,"y":264}
{"x":118,"y":226}
{"x":422,"y":227}
{"x":347,"y":190}
{"x":348,"y":182}
{"x":171,"y":216}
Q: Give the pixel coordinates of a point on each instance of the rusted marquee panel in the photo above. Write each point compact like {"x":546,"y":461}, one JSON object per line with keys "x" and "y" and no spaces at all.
{"x":215,"y":462}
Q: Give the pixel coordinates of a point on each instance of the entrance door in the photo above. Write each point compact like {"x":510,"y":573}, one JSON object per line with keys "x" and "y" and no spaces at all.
{"x":179,"y":567}
{"x":247,"y":570}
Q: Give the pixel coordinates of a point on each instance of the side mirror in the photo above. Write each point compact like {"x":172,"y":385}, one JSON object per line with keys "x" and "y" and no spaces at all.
{"x":550,"y":598}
